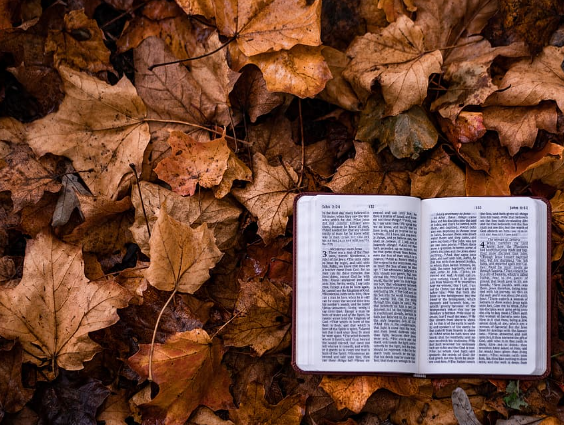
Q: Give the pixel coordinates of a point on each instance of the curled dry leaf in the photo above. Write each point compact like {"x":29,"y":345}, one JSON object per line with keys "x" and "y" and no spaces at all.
{"x":269,"y":197}
{"x":80,"y":44}
{"x":366,"y":173}
{"x":262,"y":316}
{"x":193,"y":163}
{"x":181,"y":257}
{"x":254,"y":409}
{"x":54,"y":307}
{"x":438,"y":177}
{"x":188,"y":370}
{"x":396,"y":58}
{"x":68,"y":200}
{"x":352,"y":392}
{"x":467,"y":128}
{"x":518,"y":127}
{"x":221,"y":215}
{"x":99,"y":127}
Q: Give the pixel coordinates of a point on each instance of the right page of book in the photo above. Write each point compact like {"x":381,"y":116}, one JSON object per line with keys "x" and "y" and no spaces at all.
{"x":482,"y":290}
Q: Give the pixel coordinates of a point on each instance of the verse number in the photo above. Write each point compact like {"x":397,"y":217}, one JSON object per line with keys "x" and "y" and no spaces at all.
{"x":483,"y":245}
{"x":324,"y":254}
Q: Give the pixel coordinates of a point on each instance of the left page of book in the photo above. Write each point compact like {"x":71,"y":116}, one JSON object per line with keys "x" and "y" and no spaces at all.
{"x":356,"y":283}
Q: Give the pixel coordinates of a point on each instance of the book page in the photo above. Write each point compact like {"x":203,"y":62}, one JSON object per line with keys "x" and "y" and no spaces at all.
{"x":358,"y":307}
{"x":479,"y":270}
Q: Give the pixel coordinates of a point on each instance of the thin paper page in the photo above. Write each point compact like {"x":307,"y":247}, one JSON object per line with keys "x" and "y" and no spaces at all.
{"x":478,"y":303}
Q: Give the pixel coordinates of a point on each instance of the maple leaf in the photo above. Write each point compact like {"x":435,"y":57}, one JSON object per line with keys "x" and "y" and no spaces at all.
{"x":352,"y":392}
{"x":527,"y":84}
{"x":99,"y":127}
{"x":221,"y":216}
{"x":396,"y":58}
{"x":255,"y":410}
{"x":262,"y":316}
{"x":438,"y":177}
{"x":269,"y":196}
{"x":80,"y":44}
{"x":518,"y":127}
{"x":54,"y":307}
{"x":26,"y":176}
{"x":180,"y":256}
{"x":236,"y":170}
{"x":366,"y":173}
{"x":188,"y":369}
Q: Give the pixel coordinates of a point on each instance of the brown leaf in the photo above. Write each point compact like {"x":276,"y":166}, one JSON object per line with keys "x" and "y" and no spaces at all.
{"x":221,"y":216}
{"x":337,"y":90}
{"x":25,"y":175}
{"x":301,"y":71}
{"x":80,"y":44}
{"x":273,"y":139}
{"x":193,"y":163}
{"x":68,"y":200}
{"x":115,"y":409}
{"x":395,"y":58}
{"x":269,"y":196}
{"x":262,"y":316}
{"x":13,"y":395}
{"x":54,"y":307}
{"x":367,"y":173}
{"x":206,"y":416}
{"x":99,"y":127}
{"x":188,"y":370}
{"x":236,"y":170}
{"x":518,"y":127}
{"x":411,"y":410}
{"x":438,"y":177}
{"x":8,"y":273}
{"x":557,"y":203}
{"x":254,"y":409}
{"x":180,"y":256}
{"x":528,"y":83}
{"x":504,"y":169}
{"x":467,"y":128}
{"x":352,"y":392}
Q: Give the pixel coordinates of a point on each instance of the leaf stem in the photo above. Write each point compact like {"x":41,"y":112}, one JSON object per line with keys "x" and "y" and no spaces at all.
{"x":190,"y":124}
{"x":155,"y":332}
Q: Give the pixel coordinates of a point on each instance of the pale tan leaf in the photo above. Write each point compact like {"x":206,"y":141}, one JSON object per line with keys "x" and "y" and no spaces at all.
{"x":205,"y":416}
{"x":115,"y":409}
{"x":99,"y":127}
{"x":236,"y":170}
{"x":269,"y":197}
{"x":181,"y":257}
{"x":54,"y":307}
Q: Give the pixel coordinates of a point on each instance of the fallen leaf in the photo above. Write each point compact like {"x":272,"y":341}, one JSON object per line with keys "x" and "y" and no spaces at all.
{"x":68,"y":200}
{"x":205,"y":416}
{"x":301,"y":71}
{"x":25,"y":175}
{"x":438,"y":177}
{"x":221,"y":215}
{"x":193,"y":163}
{"x":13,"y":395}
{"x":236,"y":170}
{"x":254,"y":409}
{"x":115,"y":409}
{"x":396,"y":58}
{"x":557,"y":203}
{"x":528,"y":83}
{"x":99,"y":127}
{"x":80,"y":44}
{"x":54,"y":307}
{"x":518,"y":127}
{"x":261,"y":316}
{"x":427,"y":412}
{"x":269,"y":197}
{"x":337,"y":90}
{"x":188,"y":370}
{"x":8,"y":278}
{"x":467,"y":128}
{"x":35,"y":218}
{"x":366,"y":173}
{"x":462,"y":408}
{"x":180,"y":256}
{"x":273,"y":139}
{"x":341,"y":22}
{"x":352,"y":392}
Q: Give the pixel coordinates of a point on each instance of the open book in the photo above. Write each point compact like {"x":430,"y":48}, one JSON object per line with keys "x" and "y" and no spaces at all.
{"x":440,"y":286}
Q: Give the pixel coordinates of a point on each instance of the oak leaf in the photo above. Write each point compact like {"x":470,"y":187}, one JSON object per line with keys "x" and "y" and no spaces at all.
{"x":188,"y":370}
{"x":438,"y":177}
{"x":262,"y":316}
{"x":269,"y":197}
{"x":99,"y":127}
{"x":366,"y":173}
{"x":193,"y":163}
{"x":352,"y":392}
{"x":54,"y":307}
{"x":518,"y":127}
{"x":180,"y":256}
{"x":396,"y":58}
{"x":254,"y":409}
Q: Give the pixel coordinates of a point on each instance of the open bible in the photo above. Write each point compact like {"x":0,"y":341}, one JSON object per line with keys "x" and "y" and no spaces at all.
{"x":397,"y":284}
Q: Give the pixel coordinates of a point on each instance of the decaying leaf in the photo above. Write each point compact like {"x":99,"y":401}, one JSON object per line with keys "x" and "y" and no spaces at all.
{"x":365,"y":173}
{"x":467,"y":128}
{"x":438,"y":177}
{"x":269,"y":197}
{"x":68,"y":200}
{"x":115,"y":409}
{"x":99,"y":127}
{"x":188,"y":369}
{"x":462,"y":408}
{"x":262,"y":316}
{"x":254,"y":409}
{"x":13,"y":395}
{"x":236,"y":170}
{"x":54,"y":307}
{"x":337,"y":90}
{"x":180,"y":256}
{"x":193,"y":163}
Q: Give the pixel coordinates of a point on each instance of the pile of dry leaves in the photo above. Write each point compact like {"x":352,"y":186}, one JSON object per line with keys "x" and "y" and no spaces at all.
{"x":146,"y":268}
